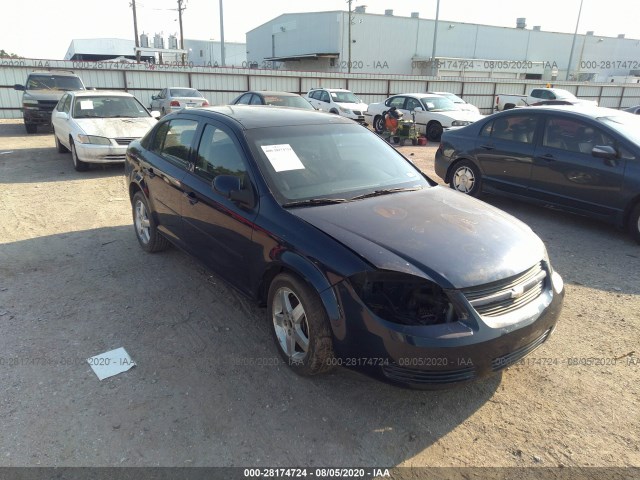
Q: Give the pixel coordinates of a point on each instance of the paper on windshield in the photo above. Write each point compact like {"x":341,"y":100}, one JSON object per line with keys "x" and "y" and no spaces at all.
{"x":86,"y":104}
{"x":282,"y":157}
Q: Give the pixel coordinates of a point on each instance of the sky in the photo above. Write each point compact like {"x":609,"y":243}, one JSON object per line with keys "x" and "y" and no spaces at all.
{"x":45,"y":29}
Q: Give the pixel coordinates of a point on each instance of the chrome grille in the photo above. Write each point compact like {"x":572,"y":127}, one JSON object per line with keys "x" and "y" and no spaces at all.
{"x":504,"y":296}
{"x":357,"y":112}
{"x":125,"y":140}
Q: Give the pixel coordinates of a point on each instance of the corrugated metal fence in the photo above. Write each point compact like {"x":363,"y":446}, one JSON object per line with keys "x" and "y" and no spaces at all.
{"x":220,"y":85}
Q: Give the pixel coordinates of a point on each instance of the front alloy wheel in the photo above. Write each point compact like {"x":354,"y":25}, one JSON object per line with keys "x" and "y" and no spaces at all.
{"x":300,"y":325}
{"x":466,"y":178}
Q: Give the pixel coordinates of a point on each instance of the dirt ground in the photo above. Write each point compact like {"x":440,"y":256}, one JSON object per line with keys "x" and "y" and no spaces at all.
{"x":209,"y":389}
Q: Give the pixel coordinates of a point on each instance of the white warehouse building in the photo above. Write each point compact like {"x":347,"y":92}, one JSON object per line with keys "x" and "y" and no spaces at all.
{"x":319,"y":41}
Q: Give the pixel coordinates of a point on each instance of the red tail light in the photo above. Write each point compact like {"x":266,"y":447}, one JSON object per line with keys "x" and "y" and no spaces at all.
{"x":205,"y":104}
{"x":174,"y":103}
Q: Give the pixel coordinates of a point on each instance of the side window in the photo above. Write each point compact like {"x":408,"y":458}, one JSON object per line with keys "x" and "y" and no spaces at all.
{"x":244,"y":99}
{"x":397,"y":102}
{"x":325,"y":97}
{"x":255,"y":100}
{"x":574,"y":135}
{"x":517,"y":128}
{"x":60,"y":106}
{"x":313,"y":94}
{"x":412,"y":103}
{"x":173,"y":140}
{"x":219,"y":155}
{"x":486,"y":130}
{"x":535,"y":93}
{"x":66,"y":107}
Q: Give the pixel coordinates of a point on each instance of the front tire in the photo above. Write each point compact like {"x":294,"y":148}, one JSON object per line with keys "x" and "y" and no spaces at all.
{"x":378,"y":124}
{"x":634,"y":223}
{"x":59,"y":146}
{"x":434,"y":131}
{"x":145,"y":226}
{"x":300,"y":326}
{"x":466,"y":178}
{"x":78,"y":164}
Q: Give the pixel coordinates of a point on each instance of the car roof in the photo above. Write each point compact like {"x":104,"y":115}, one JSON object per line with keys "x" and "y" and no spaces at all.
{"x":589,"y":111}
{"x":274,"y":92}
{"x":261,"y":116}
{"x":99,"y":93}
{"x":181,"y":88}
{"x":330,"y":89}
{"x":58,"y":73}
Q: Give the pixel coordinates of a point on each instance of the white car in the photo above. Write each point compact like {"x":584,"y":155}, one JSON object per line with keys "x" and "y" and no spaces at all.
{"x":339,"y":101}
{"x":460,"y":103}
{"x":176,"y":98}
{"x":97,"y":126}
{"x":433,"y":113}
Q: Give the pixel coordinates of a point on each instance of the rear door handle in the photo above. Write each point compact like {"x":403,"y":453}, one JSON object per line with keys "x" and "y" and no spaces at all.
{"x":487,"y":147}
{"x":547,"y":157}
{"x":191,"y":196}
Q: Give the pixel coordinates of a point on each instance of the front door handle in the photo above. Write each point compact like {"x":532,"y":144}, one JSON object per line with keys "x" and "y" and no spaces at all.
{"x":149,"y":172}
{"x":547,"y":157}
{"x":487,"y":147}
{"x":192,"y":197}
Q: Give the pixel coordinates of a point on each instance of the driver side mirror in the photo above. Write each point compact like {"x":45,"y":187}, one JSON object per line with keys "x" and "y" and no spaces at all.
{"x":418,"y":109}
{"x":606,"y":152}
{"x":154,"y":97}
{"x":17,"y":86}
{"x":230,"y":187}
{"x":62,"y":115}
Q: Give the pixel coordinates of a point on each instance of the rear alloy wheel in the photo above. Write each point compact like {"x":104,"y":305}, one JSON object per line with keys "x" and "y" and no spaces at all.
{"x":434,"y":131}
{"x":466,"y":178}
{"x":300,"y":326}
{"x":378,"y":124}
{"x":31,"y":127}
{"x":146,"y":230}
{"x":78,"y":164}
{"x":59,"y":146}
{"x":634,"y":223}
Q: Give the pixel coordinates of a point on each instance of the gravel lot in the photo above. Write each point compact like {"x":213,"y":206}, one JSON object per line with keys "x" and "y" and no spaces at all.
{"x":209,"y":390}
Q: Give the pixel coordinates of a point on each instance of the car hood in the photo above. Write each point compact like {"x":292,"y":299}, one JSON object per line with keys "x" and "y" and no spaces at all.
{"x":353,"y":106}
{"x":435,"y":233}
{"x":45,"y":94}
{"x":116,"y":127}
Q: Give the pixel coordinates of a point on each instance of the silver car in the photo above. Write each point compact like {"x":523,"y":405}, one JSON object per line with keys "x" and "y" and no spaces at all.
{"x":176,"y":98}
{"x":97,"y":127}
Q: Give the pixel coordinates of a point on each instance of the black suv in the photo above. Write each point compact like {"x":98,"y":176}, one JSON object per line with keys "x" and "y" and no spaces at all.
{"x":42,"y":91}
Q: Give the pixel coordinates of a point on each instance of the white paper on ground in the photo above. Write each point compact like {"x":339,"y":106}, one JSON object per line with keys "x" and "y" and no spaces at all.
{"x":111,"y":363}
{"x":282,"y":157}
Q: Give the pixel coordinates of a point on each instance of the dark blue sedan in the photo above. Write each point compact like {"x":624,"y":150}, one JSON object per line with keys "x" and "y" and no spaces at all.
{"x":585,"y":160}
{"x":360,"y":259}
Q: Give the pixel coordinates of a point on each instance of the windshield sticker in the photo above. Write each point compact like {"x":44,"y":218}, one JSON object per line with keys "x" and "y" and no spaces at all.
{"x":282,"y":157}
{"x":86,"y":104}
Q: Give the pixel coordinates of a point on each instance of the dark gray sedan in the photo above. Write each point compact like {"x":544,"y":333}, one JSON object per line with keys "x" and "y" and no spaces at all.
{"x":584,"y":160}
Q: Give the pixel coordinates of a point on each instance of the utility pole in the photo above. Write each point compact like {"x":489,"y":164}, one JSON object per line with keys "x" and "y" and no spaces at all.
{"x":434,"y":67}
{"x":180,"y":9}
{"x":221,"y":35}
{"x":573,"y":44}
{"x":349,"y":35}
{"x":135,"y":29}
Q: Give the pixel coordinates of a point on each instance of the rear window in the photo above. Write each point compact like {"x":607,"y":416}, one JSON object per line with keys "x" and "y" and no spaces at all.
{"x":184,"y":92}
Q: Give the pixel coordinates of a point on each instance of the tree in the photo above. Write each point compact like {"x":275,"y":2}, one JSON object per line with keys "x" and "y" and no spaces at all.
{"x":4,"y":54}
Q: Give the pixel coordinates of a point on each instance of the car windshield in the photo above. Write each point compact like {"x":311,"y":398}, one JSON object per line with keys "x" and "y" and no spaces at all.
{"x":330,"y":161}
{"x":108,"y":107}
{"x":344,"y":97}
{"x":627,"y":124}
{"x":54,"y":82}
{"x":440,"y":104}
{"x":454,"y":98}
{"x":184,"y":92}
{"x":564,"y":95}
{"x":287,"y":101}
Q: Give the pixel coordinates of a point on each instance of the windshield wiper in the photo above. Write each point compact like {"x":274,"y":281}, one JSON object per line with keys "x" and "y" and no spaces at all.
{"x":386,"y":191}
{"x":314,"y":202}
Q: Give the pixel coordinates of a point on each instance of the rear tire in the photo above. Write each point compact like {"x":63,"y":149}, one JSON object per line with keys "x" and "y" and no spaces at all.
{"x":31,"y":127}
{"x":378,"y":124}
{"x":634,"y":223}
{"x":145,"y":226}
{"x":300,"y":326}
{"x":466,"y":178}
{"x":78,"y":164}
